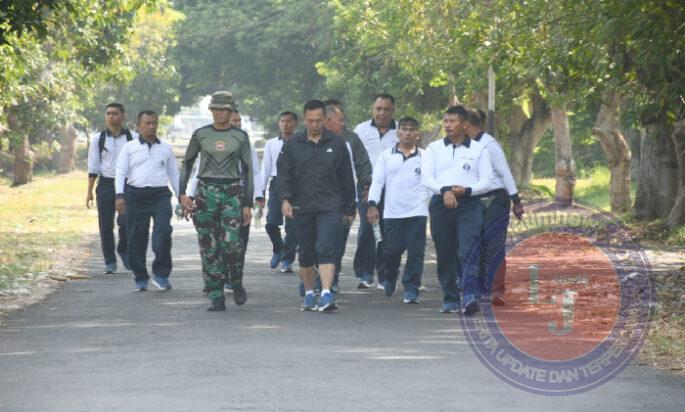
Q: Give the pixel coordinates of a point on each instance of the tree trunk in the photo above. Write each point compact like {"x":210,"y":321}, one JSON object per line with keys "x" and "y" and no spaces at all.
{"x":677,"y":215}
{"x":68,"y":150}
{"x":525,"y":135}
{"x":452,"y":99}
{"x":23,"y":162}
{"x":565,"y":168}
{"x":23,"y":156}
{"x":634,"y":135}
{"x":616,"y":149}
{"x":430,"y":137}
{"x":657,"y":186}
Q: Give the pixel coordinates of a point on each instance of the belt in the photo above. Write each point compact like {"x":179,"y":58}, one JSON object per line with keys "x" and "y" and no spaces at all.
{"x":219,"y":180}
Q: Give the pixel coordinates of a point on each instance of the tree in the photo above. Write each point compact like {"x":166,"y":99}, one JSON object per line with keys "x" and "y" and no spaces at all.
{"x":48,"y":77}
{"x":20,"y":17}
{"x":264,"y":52}
{"x":148,"y":79}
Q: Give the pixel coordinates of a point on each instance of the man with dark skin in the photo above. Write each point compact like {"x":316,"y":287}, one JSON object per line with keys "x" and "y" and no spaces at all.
{"x":145,"y":167}
{"x":223,"y":201}
{"x":377,"y":134}
{"x":335,"y":122}
{"x":316,"y":186}
{"x":398,"y":172}
{"x":457,"y":170}
{"x":284,"y":250}
{"x":102,"y":159}
{"x":493,"y":261}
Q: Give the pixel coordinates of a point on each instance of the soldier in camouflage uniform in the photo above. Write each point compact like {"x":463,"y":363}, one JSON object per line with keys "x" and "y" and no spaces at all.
{"x":223,"y":201}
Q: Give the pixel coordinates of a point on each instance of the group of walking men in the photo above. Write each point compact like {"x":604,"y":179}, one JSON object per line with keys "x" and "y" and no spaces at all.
{"x":317,"y":180}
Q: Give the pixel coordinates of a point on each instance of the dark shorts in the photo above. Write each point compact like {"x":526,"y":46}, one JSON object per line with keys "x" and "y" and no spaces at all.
{"x":318,"y":235}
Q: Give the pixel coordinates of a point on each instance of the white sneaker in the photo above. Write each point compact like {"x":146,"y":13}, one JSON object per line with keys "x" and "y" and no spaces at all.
{"x":380,"y":286}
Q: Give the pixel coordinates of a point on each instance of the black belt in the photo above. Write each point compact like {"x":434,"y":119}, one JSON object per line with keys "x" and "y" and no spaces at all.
{"x":497,"y":193}
{"x":219,"y":180}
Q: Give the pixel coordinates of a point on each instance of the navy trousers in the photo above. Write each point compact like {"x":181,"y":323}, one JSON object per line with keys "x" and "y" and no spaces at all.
{"x":456,"y":233}
{"x":105,"y":199}
{"x":143,"y":204}
{"x":405,"y":234}
{"x":493,"y":262}
{"x":274,"y":220}
{"x":369,"y":255}
{"x":318,"y":237}
{"x":344,"y":234}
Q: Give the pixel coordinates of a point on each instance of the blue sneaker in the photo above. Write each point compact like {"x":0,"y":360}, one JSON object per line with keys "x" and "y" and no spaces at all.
{"x":450,"y":307}
{"x":309,"y":302}
{"x":228,"y":287}
{"x":141,"y":285}
{"x":389,"y":287}
{"x":365,"y":281}
{"x":470,"y":306}
{"x":411,"y":296}
{"x":161,"y":282}
{"x":110,"y":268}
{"x":275,"y":260}
{"x":301,"y":287}
{"x":286,"y":266}
{"x":327,"y":303}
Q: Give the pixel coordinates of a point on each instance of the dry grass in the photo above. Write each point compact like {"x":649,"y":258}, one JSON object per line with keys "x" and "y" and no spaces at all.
{"x":39,"y":219}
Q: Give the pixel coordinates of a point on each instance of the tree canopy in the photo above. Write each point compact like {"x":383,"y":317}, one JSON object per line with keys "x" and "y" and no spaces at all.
{"x":584,"y":68}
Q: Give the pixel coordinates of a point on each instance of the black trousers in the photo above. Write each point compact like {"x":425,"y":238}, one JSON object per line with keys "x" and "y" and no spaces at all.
{"x":318,"y":237}
{"x":143,"y":204}
{"x":105,"y":198}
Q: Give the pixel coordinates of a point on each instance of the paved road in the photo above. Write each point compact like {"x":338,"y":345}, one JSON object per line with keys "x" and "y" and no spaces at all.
{"x":96,"y":345}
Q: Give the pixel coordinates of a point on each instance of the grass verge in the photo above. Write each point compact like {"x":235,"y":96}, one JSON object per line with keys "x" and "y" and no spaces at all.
{"x":39,"y":219}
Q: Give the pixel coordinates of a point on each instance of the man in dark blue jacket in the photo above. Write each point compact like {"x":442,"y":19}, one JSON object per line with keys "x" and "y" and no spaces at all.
{"x":316,"y":185}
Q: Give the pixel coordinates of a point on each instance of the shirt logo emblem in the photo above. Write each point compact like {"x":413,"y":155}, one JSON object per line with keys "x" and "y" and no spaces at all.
{"x":417,"y":171}
{"x":467,"y":166}
{"x":329,"y":150}
{"x":219,"y":146}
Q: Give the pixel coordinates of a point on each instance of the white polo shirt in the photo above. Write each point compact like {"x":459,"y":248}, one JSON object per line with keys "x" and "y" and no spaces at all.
{"x":372,"y":140}
{"x":502,"y":177}
{"x":146,"y":165}
{"x":405,"y":194}
{"x":105,"y":163}
{"x":467,"y":164}
{"x":271,"y":150}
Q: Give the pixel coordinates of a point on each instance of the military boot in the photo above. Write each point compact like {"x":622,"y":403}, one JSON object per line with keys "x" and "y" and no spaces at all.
{"x":217,"y":305}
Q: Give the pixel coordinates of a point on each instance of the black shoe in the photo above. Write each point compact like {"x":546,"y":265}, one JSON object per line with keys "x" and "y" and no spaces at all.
{"x":239,"y":295}
{"x":217,"y":305}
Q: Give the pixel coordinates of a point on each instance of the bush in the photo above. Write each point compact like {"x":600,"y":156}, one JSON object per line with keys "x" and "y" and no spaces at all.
{"x":6,"y":163}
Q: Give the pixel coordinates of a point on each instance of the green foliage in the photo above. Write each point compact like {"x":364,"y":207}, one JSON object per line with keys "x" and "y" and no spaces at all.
{"x":151,"y":81}
{"x":19,"y":17}
{"x":264,"y":52}
{"x":51,"y":78}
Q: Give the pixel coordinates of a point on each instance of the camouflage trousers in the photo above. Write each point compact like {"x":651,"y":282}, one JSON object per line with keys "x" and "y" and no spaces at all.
{"x":217,"y":220}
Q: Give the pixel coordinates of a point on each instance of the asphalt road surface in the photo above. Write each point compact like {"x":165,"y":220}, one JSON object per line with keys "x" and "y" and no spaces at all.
{"x":96,"y":345}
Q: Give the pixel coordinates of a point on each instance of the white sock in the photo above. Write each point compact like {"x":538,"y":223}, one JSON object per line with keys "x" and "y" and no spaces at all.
{"x":310,"y":292}
{"x":324,"y":291}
